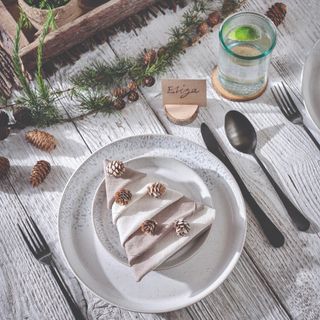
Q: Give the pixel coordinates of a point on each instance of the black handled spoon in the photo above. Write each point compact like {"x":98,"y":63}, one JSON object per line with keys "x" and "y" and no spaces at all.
{"x":243,"y":137}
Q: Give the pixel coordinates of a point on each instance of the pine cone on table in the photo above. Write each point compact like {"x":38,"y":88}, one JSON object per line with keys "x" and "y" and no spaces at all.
{"x":4,"y":119}
{"x":214,"y":18}
{"x":4,"y":132}
{"x":39,"y":172}
{"x":148,"y":227}
{"x":149,"y":56}
{"x":149,"y":81}
{"x":132,"y":86}
{"x":156,"y":189}
{"x":123,"y":197}
{"x":4,"y":166}
{"x":41,"y":139}
{"x":162,"y":51}
{"x":203,"y":28}
{"x":23,"y":117}
{"x":182,"y":227}
{"x":277,"y":13}
{"x":119,"y":104}
{"x":115,"y":168}
{"x":133,"y":96}
{"x":119,"y":92}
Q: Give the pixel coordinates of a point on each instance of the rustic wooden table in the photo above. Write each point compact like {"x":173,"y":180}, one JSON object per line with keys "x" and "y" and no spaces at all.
{"x":267,"y":283}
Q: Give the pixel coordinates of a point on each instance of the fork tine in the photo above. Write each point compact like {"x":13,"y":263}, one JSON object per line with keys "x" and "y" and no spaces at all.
{"x":279,"y":102}
{"x":26,"y":240}
{"x":292,"y":103}
{"x":31,"y":235}
{"x":284,"y":97}
{"x":35,"y":237}
{"x":40,"y":236}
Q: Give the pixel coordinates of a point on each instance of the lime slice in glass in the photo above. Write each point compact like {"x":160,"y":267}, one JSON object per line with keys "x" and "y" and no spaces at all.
{"x":244,"y":33}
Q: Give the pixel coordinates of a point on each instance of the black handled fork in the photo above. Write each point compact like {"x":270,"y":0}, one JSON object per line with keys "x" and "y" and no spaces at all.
{"x":41,"y":251}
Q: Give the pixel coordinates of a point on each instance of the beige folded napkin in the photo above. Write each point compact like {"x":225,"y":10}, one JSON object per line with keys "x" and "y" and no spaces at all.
{"x":145,"y":252}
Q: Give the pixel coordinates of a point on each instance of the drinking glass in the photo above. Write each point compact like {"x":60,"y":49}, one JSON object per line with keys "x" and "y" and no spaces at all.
{"x":246,"y":43}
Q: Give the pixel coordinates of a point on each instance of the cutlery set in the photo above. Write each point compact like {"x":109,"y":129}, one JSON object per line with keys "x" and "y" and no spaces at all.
{"x":242,"y":137}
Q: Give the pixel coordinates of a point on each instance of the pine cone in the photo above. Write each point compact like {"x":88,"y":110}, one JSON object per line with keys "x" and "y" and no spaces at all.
{"x":149,"y":81}
{"x":133,"y":86}
{"x":4,"y":119}
{"x":213,"y":18}
{"x":162,"y":51}
{"x":39,"y":172}
{"x":203,"y":28}
{"x":277,"y":13}
{"x":41,"y":139}
{"x":119,"y":104}
{"x":23,"y":117}
{"x":133,"y":96}
{"x":119,"y":92}
{"x":149,"y":226}
{"x":122,"y":197}
{"x":4,"y":132}
{"x":156,"y":189}
{"x":4,"y":166}
{"x":115,"y":168}
{"x":182,"y":227}
{"x":150,"y":56}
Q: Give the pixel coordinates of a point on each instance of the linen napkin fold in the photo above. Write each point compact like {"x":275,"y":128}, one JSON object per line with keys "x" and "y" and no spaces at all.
{"x":145,"y":252}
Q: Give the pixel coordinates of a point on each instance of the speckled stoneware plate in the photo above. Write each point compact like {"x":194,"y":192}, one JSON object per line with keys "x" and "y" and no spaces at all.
{"x":311,"y":84}
{"x":171,"y":288}
{"x":175,"y":174}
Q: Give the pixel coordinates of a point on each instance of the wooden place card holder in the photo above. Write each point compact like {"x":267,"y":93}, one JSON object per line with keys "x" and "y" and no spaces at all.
{"x":182,"y":99}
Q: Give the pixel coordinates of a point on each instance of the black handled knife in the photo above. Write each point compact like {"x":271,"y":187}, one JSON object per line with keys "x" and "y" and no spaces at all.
{"x":272,"y":233}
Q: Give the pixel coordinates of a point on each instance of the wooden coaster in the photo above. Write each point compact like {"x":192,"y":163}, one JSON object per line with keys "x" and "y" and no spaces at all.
{"x":181,"y":114}
{"x":231,"y":96}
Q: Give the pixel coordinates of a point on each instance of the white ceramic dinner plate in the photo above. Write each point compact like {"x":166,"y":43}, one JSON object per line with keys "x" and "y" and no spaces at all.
{"x":182,"y":282}
{"x":311,"y":84}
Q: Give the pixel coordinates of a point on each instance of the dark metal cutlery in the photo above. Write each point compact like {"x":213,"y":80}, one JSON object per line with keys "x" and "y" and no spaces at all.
{"x":272,"y":233}
{"x":289,"y":109}
{"x":243,"y":137}
{"x":41,"y":251}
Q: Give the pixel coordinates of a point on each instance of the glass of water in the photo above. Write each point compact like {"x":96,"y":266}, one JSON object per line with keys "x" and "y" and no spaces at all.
{"x":246,"y":42}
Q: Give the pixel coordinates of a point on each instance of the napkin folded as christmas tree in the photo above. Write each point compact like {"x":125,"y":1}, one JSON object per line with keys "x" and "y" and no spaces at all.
{"x":153,"y":221}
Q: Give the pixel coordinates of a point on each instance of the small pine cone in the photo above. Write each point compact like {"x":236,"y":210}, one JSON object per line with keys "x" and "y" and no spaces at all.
{"x":133,"y":86}
{"x":4,"y":166}
{"x":214,"y":18}
{"x":119,"y":104}
{"x":4,"y":132}
{"x":133,"y":96}
{"x":115,"y":168}
{"x":149,"y":81}
{"x":277,"y":13}
{"x":4,"y":119}
{"x":41,"y":139}
{"x":39,"y":172}
{"x":182,"y":227}
{"x":150,"y":56}
{"x":149,"y":227}
{"x":23,"y":117}
{"x":122,"y":197}
{"x":194,"y":39}
{"x":203,"y":28}
{"x":162,"y":51}
{"x":119,"y":92}
{"x":156,"y":189}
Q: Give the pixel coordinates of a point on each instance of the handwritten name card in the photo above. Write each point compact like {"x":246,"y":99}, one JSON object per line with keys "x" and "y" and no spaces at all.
{"x":184,"y":92}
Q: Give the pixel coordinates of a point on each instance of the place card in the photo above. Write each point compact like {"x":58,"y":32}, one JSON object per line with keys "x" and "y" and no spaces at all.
{"x":182,"y":99}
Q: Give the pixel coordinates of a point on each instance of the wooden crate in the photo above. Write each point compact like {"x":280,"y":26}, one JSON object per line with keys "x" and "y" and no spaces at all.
{"x":68,"y":35}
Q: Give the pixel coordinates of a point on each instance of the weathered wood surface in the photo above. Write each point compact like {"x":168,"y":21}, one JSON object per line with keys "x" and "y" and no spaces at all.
{"x":267,"y":283}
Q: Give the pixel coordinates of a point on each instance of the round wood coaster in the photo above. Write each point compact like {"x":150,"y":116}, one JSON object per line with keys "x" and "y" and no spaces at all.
{"x":231,"y":96}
